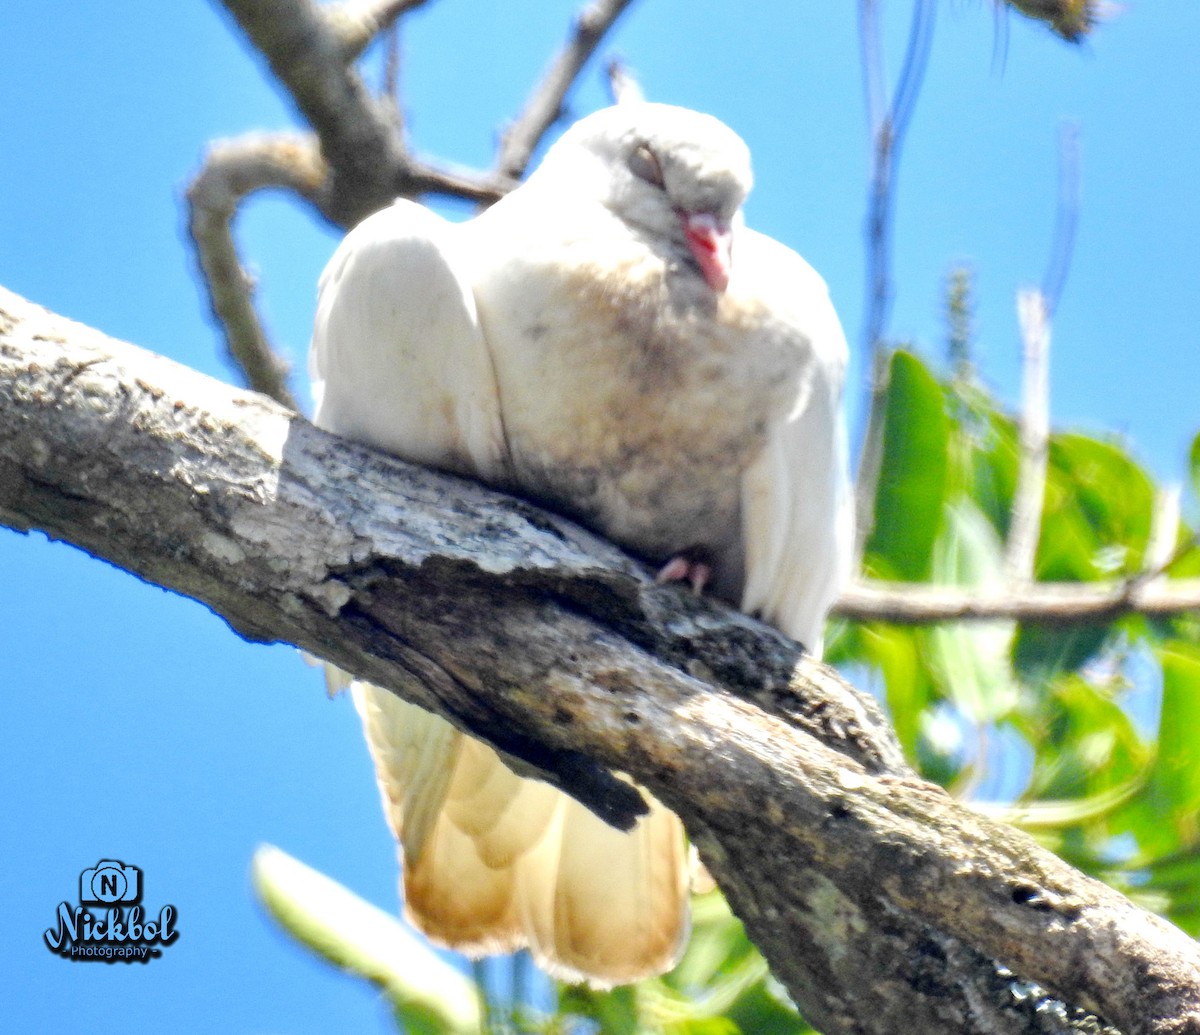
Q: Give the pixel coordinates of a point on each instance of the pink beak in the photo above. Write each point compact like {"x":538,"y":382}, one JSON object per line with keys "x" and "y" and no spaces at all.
{"x":711,"y":245}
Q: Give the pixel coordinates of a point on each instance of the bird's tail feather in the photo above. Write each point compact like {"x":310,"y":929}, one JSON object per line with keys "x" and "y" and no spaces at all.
{"x":494,"y":861}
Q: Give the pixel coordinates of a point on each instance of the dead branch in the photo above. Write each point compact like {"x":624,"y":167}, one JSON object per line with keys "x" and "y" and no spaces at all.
{"x":1033,"y":310}
{"x":369,"y":165}
{"x":879,"y":901}
{"x":234,"y":169}
{"x":887,"y":121}
{"x":1055,"y":603}
{"x":358,"y":161}
{"x":358,"y":22}
{"x":544,"y":106}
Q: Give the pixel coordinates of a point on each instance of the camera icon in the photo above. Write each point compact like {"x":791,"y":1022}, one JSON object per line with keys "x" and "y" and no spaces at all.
{"x":110,"y":881}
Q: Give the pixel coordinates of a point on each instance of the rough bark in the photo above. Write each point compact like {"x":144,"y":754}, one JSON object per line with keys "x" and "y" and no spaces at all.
{"x":879,"y":901}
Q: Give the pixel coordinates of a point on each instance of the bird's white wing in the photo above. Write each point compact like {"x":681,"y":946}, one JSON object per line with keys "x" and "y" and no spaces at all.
{"x":398,"y":359}
{"x":797,"y":515}
{"x":492,"y":861}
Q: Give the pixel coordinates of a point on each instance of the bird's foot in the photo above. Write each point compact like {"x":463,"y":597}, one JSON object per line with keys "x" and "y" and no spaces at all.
{"x":682,"y":568}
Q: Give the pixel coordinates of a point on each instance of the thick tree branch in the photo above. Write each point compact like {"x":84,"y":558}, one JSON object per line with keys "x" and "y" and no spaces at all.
{"x":358,"y":139}
{"x":878,"y":900}
{"x":369,"y":165}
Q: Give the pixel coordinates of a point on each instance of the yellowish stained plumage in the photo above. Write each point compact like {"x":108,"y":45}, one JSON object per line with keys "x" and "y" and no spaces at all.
{"x":610,"y":340}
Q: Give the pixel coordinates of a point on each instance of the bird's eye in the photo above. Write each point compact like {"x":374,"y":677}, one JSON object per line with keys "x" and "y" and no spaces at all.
{"x":644,"y":165}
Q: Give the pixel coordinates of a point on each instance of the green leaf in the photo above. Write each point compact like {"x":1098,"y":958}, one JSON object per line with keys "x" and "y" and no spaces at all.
{"x":1085,"y":743}
{"x":1194,"y":463}
{"x":993,"y":470}
{"x":908,"y":689}
{"x":429,"y":996}
{"x":970,"y":660}
{"x":1175,"y":881}
{"x":1175,"y":779}
{"x":615,"y":1010}
{"x":1100,"y":484}
{"x":912,"y":476}
{"x":705,"y":1026}
{"x":1096,"y":524}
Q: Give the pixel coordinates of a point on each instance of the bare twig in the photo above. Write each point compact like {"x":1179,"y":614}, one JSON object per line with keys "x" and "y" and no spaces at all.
{"x":234,"y":169}
{"x":359,"y":165}
{"x":887,"y":123}
{"x":1066,"y":218}
{"x":623,"y":86}
{"x":1058,"y":603}
{"x":1034,"y":438}
{"x":544,"y":106}
{"x":1164,"y":547}
{"x":391,"y":74}
{"x":1035,"y":312}
{"x":357,"y":22}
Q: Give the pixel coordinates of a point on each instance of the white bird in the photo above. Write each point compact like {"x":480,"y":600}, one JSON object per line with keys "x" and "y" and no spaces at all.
{"x":612,"y":341}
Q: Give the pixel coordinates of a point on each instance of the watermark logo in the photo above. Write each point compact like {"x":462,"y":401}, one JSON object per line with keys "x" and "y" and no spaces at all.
{"x":110,"y":924}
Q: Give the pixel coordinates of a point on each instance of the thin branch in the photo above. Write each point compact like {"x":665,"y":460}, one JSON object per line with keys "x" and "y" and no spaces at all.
{"x":871,"y":56}
{"x":878,"y":900}
{"x":912,"y":71}
{"x":1035,"y":312}
{"x":1164,"y":548}
{"x":888,"y":122}
{"x":359,"y":165}
{"x":357,"y":22}
{"x":623,"y":86}
{"x":232,"y":171}
{"x":888,"y":127}
{"x":544,"y":105}
{"x":391,"y":75}
{"x":1057,"y":603}
{"x":1066,"y":219}
{"x":369,"y":166}
{"x":1034,"y":438}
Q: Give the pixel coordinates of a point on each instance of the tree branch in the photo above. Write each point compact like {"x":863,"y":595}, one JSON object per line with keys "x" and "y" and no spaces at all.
{"x":887,"y":122}
{"x":544,"y":106}
{"x":358,"y":22}
{"x":356,"y":163}
{"x":1055,"y":603}
{"x":369,"y":165}
{"x":879,"y":901}
{"x":1024,"y":532}
{"x":234,"y":169}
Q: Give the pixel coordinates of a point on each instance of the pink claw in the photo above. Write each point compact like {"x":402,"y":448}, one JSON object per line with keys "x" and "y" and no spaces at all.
{"x":683,"y":569}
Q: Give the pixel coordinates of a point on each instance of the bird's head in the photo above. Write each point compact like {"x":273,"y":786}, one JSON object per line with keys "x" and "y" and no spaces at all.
{"x":675,"y":176}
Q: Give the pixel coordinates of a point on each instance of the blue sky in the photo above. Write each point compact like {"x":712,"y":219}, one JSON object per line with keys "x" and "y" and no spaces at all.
{"x":138,"y":727}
